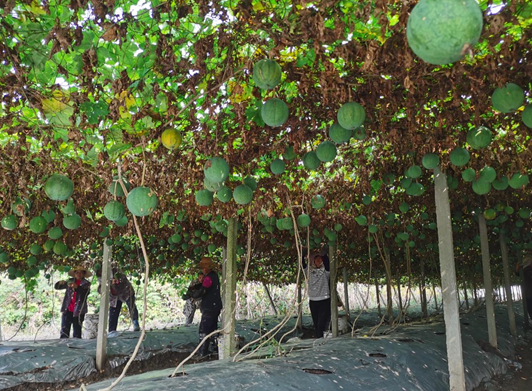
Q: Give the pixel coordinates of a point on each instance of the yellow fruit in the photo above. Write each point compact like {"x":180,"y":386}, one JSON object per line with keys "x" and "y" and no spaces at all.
{"x":171,"y":138}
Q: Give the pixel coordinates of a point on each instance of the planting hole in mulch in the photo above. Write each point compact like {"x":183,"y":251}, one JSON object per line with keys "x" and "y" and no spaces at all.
{"x":377,"y":355}
{"x":317,"y":371}
{"x":180,"y":374}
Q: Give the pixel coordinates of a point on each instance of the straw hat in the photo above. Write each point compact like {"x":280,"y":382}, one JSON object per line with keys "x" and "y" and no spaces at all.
{"x":71,"y":272}
{"x":206,"y":262}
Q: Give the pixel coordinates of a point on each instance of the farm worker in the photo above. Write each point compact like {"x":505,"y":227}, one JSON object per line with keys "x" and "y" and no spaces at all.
{"x":211,"y":304}
{"x":121,"y":291}
{"x":527,"y":281}
{"x":317,"y":272}
{"x":74,"y":305}
{"x":193,"y":298}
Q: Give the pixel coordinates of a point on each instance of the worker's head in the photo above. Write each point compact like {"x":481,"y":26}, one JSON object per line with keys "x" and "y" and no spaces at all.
{"x":79,"y":272}
{"x":206,"y":265}
{"x":316,"y":261}
{"x":201,"y":276}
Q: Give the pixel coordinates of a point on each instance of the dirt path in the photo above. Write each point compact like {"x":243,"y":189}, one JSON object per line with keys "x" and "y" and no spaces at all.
{"x":515,"y":379}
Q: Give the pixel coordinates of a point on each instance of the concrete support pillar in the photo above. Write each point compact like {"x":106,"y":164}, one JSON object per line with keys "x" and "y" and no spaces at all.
{"x":508,"y":285}
{"x":334,"y":296}
{"x":488,"y":288}
{"x":103,"y":318}
{"x":451,"y":313}
{"x":229,"y":298}
{"x":346,"y":291}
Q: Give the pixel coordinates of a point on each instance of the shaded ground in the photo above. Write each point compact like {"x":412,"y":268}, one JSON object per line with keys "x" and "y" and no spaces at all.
{"x":517,"y":378}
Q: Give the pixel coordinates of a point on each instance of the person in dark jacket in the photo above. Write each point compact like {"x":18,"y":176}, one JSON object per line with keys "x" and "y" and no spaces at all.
{"x":74,"y":305}
{"x":211,"y":304}
{"x":527,"y":281}
{"x":193,"y":298}
{"x":121,"y":291}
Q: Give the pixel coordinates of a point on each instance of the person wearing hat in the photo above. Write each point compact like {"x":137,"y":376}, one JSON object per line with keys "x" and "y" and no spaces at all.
{"x":319,"y":292}
{"x":527,"y":281}
{"x":74,"y":305}
{"x":211,"y":304}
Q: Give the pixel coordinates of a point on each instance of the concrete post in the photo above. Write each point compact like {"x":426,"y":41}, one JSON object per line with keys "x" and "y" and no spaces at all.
{"x":508,"y":285}
{"x":229,"y":299}
{"x":451,"y":313}
{"x":488,"y":288}
{"x":346,"y":292}
{"x":103,"y":318}
{"x":334,"y":297}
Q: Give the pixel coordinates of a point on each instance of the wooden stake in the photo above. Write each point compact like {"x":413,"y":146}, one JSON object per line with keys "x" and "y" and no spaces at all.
{"x":451,"y":311}
{"x":103,"y":318}
{"x":272,"y":304}
{"x":488,"y":288}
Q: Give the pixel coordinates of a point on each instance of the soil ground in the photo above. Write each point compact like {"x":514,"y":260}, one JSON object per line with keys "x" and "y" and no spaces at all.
{"x":516,"y":379}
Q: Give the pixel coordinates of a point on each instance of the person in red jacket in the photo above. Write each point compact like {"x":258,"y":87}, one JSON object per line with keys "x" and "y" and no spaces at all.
{"x":74,"y":305}
{"x":211,"y":305}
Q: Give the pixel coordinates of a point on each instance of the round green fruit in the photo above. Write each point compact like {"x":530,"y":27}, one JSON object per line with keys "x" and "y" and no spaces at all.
{"x":488,"y":174}
{"x":479,"y":138}
{"x":339,"y":135}
{"x":114,"y":210}
{"x":216,"y":170}
{"x":10,"y":222}
{"x":250,"y":182}
{"x":443,"y":31}
{"x":518,"y":181}
{"x":38,"y":225}
{"x":311,"y":161}
{"x":277,"y":166}
{"x":58,"y":187}
{"x":224,"y":194}
{"x":266,"y":74}
{"x":508,"y":99}
{"x":60,"y":248}
{"x":289,"y":153}
{"x":527,"y":116}
{"x":35,"y":249}
{"x":211,"y":186}
{"x":55,"y":233}
{"x":413,"y":172}
{"x":500,"y":184}
{"x":317,"y":202}
{"x":416,"y":189}
{"x":121,"y":222}
{"x":430,"y":161}
{"x":274,"y":112}
{"x":204,"y":197}
{"x":481,"y":187}
{"x":303,"y":220}
{"x":361,"y":220}
{"x":243,"y":195}
{"x":115,"y":187}
{"x":469,"y":175}
{"x":326,"y":151}
{"x":141,"y":201}
{"x":459,"y":157}
{"x":351,"y":115}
